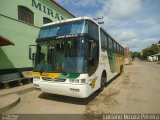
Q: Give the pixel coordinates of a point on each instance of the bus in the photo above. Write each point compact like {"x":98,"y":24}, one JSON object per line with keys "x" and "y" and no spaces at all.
{"x":75,"y":57}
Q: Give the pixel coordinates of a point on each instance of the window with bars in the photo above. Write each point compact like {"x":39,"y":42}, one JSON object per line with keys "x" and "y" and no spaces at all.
{"x":46,"y":20}
{"x":25,"y":14}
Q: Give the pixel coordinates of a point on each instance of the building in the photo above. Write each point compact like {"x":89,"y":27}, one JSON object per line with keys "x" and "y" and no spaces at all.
{"x":126,"y":52}
{"x":155,"y":57}
{"x":127,"y":56}
{"x":20,"y":22}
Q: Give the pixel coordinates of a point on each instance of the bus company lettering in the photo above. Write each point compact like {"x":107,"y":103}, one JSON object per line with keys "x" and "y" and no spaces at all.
{"x":66,"y":36}
{"x":46,"y":10}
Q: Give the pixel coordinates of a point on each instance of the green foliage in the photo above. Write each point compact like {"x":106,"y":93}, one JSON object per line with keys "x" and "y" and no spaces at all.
{"x":154,"y":49}
{"x":135,"y":54}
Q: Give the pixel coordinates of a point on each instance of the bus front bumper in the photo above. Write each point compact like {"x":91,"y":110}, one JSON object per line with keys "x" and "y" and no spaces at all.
{"x":66,"y":89}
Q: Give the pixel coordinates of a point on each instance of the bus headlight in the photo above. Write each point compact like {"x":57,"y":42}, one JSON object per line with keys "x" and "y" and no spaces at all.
{"x":77,"y":80}
{"x":83,"y":80}
{"x":36,"y":77}
{"x":74,"y":80}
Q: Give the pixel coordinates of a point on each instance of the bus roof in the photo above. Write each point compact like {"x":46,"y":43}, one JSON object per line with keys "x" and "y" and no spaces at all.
{"x":70,"y":20}
{"x":76,"y":19}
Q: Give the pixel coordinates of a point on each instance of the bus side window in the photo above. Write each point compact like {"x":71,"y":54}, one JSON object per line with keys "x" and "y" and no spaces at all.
{"x":93,"y":57}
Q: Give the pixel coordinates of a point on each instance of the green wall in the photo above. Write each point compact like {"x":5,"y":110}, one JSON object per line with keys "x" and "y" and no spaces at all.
{"x":20,"y":33}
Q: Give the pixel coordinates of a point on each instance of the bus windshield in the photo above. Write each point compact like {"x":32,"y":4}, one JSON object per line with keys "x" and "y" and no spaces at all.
{"x":61,"y":29}
{"x":63,"y":56}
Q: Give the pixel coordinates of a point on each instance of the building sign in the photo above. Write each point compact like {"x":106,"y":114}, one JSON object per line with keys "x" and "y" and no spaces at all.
{"x":46,"y":10}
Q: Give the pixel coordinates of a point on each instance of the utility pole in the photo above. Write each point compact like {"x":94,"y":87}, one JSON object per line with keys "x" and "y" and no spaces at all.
{"x":99,"y":18}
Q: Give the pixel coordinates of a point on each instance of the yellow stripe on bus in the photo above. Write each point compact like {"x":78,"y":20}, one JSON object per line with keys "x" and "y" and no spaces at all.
{"x":36,"y":74}
{"x":52,"y":75}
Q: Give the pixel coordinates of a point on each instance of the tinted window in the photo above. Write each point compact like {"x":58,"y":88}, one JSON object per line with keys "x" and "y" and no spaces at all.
{"x":119,"y":50}
{"x":104,"y":41}
{"x":93,"y":30}
{"x":110,"y":43}
{"x":64,"y":56}
{"x":63,"y":29}
{"x":115,"y":46}
{"x":122,"y":50}
{"x":93,"y":63}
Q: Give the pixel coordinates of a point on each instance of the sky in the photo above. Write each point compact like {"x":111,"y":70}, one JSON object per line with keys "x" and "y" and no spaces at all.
{"x":133,"y":23}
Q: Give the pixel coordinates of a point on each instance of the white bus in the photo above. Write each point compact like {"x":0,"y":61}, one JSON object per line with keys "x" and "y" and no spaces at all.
{"x":75,"y":57}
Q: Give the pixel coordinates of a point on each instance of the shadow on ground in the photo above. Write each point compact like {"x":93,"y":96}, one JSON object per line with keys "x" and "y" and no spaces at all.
{"x":66,"y":99}
{"x":72,"y":100}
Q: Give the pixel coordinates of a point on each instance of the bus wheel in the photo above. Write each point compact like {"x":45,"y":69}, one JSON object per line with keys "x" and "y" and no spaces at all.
{"x":103,"y":81}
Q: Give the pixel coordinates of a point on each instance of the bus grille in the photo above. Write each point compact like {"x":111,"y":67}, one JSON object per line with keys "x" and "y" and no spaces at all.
{"x":59,"y":80}
{"x":46,"y":78}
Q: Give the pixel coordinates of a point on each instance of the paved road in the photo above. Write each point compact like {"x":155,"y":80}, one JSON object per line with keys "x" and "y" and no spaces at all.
{"x":137,"y":90}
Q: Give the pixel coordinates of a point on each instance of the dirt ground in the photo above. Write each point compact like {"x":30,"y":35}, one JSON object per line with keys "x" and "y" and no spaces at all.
{"x":136,"y":90}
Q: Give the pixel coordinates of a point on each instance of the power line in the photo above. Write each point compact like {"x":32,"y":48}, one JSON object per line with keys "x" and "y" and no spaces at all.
{"x":99,"y":18}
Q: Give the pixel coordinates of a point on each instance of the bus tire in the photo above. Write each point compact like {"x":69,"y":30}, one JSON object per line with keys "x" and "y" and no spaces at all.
{"x":103,"y":81}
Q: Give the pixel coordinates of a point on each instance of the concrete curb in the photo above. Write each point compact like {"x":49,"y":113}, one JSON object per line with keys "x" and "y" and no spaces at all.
{"x":8,"y":102}
{"x":18,"y":90}
{"x":11,"y":97}
{"x":25,"y":90}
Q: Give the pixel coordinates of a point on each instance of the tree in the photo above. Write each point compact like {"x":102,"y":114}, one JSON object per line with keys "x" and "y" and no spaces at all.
{"x":154,"y":49}
{"x":135,"y":54}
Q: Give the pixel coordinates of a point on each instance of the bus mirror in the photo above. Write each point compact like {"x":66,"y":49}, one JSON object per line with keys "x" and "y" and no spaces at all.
{"x":31,"y":54}
{"x":90,"y":49}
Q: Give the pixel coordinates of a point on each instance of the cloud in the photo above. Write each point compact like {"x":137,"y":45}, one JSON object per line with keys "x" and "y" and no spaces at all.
{"x":124,"y":8}
{"x":133,"y":23}
{"x":128,"y":35}
{"x":78,"y":3}
{"x":128,"y":38}
{"x":134,"y":40}
{"x":120,"y":8}
{"x":137,"y":44}
{"x":86,"y":2}
{"x":117,"y":10}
